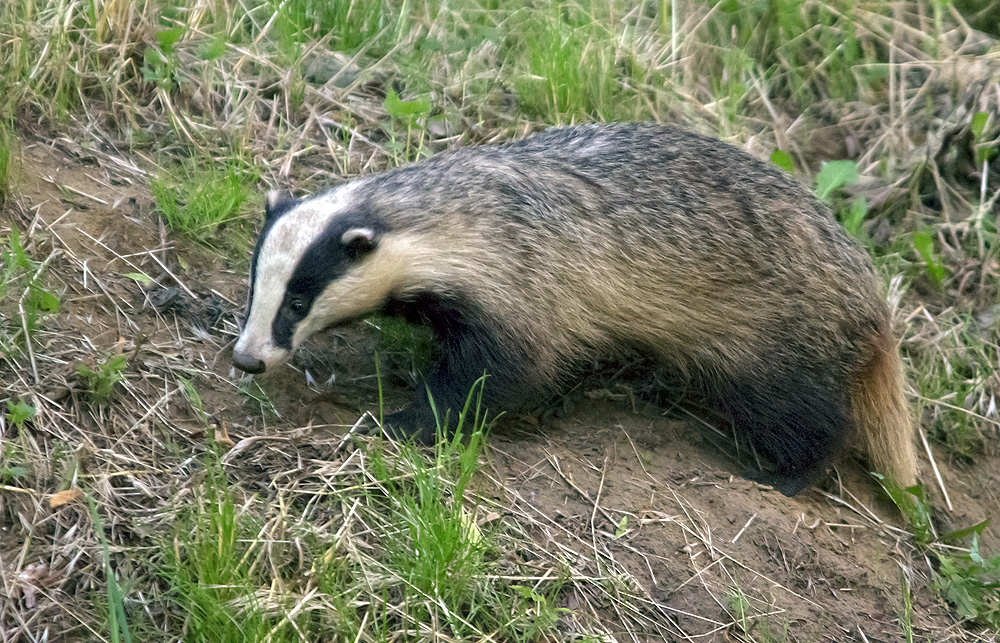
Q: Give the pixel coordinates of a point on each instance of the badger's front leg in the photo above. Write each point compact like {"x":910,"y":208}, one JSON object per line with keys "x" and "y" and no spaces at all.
{"x":467,"y":352}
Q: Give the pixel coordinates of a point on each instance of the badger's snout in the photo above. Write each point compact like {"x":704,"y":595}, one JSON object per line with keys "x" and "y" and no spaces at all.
{"x":248,"y":363}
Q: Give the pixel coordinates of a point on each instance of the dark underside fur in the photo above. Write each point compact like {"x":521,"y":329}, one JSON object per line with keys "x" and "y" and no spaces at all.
{"x":795,"y":422}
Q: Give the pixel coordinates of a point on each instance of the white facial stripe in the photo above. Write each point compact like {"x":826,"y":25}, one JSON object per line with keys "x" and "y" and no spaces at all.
{"x":284,"y":244}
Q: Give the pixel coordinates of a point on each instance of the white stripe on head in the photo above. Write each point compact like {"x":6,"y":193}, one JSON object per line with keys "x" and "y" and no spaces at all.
{"x":285,"y":243}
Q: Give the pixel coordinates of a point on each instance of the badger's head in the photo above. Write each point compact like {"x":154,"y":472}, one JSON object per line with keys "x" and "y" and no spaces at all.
{"x":317,"y":262}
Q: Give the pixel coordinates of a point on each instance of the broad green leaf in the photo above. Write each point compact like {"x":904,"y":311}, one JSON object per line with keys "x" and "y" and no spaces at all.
{"x":213,"y":49}
{"x":856,"y":216}
{"x":782,"y":160}
{"x":44,"y":301}
{"x":924,"y":245}
{"x":978,"y":126}
{"x":142,"y":278}
{"x":167,"y":38}
{"x":833,"y":175}
{"x":401,"y":109}
{"x":959,"y":534}
{"x":20,"y":412}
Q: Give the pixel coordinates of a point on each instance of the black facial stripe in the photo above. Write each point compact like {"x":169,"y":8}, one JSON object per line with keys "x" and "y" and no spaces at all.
{"x":285,"y":203}
{"x":323,"y":262}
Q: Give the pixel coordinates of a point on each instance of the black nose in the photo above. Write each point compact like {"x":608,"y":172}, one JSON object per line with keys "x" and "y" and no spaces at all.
{"x":248,"y":364}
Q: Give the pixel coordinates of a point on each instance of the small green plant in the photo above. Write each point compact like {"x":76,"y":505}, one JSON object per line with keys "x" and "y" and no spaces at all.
{"x":99,"y":381}
{"x":969,"y":581}
{"x":853,"y":216}
{"x":117,"y":621}
{"x":198,"y":199}
{"x":19,"y":413}
{"x":160,"y":64}
{"x":833,"y":176}
{"x":6,"y":161}
{"x":23,"y":297}
{"x":912,"y":503}
{"x":543,"y":614}
{"x":923,"y":243}
{"x":406,"y":114}
{"x":10,"y":468}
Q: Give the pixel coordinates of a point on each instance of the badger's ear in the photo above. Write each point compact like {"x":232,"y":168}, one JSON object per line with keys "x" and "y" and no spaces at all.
{"x":358,"y":241}
{"x":277,"y":203}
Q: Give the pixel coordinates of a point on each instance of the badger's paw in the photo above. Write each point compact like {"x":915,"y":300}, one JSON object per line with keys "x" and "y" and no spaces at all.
{"x":787,"y":485}
{"x":400,"y":426}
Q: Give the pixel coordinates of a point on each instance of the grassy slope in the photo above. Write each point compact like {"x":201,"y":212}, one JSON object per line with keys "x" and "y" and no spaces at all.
{"x":228,"y":96}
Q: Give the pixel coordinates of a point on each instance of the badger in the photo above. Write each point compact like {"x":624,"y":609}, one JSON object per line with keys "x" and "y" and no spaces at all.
{"x":529,"y":258}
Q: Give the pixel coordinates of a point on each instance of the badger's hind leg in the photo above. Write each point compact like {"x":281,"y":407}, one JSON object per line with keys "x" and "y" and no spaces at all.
{"x":797,"y":422}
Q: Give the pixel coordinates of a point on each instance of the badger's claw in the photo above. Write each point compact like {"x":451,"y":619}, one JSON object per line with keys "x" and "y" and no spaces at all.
{"x":409,"y":424}
{"x":399,"y":426}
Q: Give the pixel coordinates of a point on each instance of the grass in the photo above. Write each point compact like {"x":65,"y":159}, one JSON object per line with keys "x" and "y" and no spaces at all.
{"x":200,"y":200}
{"x":968,"y":580}
{"x":6,"y":161}
{"x":24,"y":298}
{"x":408,"y":552}
{"x":888,"y":109}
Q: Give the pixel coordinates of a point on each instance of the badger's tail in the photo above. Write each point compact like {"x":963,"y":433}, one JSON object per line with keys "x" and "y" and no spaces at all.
{"x":883,"y":426}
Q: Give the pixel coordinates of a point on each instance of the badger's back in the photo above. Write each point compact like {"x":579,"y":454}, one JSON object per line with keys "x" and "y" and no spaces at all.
{"x":672,"y":241}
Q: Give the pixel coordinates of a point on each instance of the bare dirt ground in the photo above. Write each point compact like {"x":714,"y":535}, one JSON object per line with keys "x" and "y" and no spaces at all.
{"x":828,"y":565}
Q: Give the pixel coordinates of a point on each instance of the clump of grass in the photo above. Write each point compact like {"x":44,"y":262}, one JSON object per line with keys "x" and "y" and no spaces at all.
{"x":208,"y":567}
{"x":426,"y":503}
{"x":100,"y":380}
{"x":350,"y":24}
{"x":6,"y":161}
{"x":408,"y":552}
{"x":198,"y":199}
{"x":24,"y":298}
{"x":966,"y":578}
{"x":955,"y":374}
{"x":806,"y":52}
{"x":574,"y":64}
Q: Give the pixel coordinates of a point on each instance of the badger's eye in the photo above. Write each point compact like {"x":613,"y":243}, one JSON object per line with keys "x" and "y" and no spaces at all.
{"x":297,"y":306}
